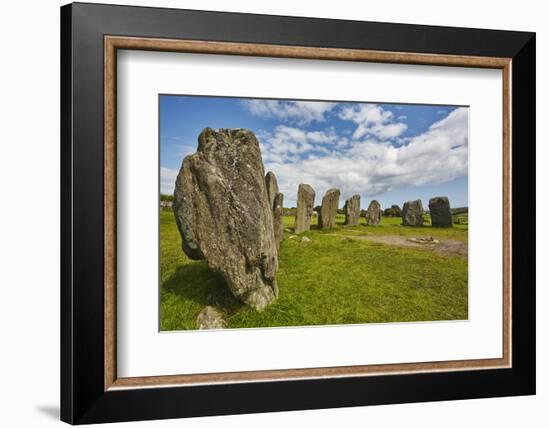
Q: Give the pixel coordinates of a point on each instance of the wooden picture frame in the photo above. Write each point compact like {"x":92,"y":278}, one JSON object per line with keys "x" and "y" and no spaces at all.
{"x":91,"y":390}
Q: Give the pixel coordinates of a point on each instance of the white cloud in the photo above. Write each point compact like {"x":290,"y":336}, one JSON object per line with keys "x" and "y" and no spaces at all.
{"x":298,"y":112}
{"x":372,"y":120}
{"x":375,"y":163}
{"x":167,"y":180}
{"x":290,"y":144}
{"x":369,"y":166}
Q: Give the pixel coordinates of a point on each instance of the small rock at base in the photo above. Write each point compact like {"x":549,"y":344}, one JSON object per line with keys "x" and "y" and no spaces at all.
{"x":424,"y":240}
{"x":210,"y":318}
{"x":305,"y":239}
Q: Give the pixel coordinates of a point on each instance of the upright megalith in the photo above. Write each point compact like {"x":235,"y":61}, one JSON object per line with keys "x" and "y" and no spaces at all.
{"x":304,"y":208}
{"x":223,"y":213}
{"x":329,"y":206}
{"x":352,"y":210}
{"x":373,"y":213}
{"x":278,"y":226}
{"x":440,"y":212}
{"x":271,"y":186}
{"x":413,"y":213}
{"x":276,"y":204}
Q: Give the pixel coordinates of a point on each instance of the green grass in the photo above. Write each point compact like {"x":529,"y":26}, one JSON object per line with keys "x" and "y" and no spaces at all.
{"x":334,"y":279}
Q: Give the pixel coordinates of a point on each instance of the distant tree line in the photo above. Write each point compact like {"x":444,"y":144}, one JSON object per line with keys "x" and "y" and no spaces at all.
{"x":291,"y":212}
{"x":460,"y":210}
{"x":164,"y":197}
{"x":393,"y":211}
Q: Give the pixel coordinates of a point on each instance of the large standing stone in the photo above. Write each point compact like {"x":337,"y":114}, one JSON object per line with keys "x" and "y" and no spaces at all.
{"x":352,"y":209}
{"x":373,"y":213}
{"x":413,"y":213}
{"x":304,"y":208}
{"x":329,"y":207}
{"x":278,"y":226}
{"x":223,"y":214}
{"x":440,"y":212}
{"x":271,"y":186}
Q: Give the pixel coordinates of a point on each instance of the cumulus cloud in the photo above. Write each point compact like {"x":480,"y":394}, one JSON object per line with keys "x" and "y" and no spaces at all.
{"x":369,"y":166}
{"x":167,"y":180}
{"x":373,"y":159}
{"x":372,"y":120}
{"x":298,"y":112}
{"x":290,"y":144}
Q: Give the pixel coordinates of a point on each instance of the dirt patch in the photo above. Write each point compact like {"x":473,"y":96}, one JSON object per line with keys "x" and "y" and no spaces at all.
{"x":445,"y":247}
{"x":452,"y":248}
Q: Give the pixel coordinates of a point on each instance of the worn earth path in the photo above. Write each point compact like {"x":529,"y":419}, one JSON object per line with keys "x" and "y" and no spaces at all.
{"x":444,"y":247}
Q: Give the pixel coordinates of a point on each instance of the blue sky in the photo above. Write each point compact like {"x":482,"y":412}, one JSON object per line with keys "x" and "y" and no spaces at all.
{"x":389,"y":152}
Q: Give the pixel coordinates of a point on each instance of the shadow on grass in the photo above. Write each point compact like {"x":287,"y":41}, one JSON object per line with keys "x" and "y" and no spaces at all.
{"x":197,"y":282}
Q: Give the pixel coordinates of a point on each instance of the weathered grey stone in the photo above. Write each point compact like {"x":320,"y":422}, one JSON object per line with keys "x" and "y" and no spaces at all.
{"x":272,"y":187}
{"x":373,"y":213}
{"x":304,"y":208}
{"x":440,"y":212}
{"x":329,"y":206}
{"x":305,"y":239}
{"x":352,"y":209}
{"x":276,"y":204}
{"x":413,"y":213}
{"x":278,"y":226}
{"x":223,"y":214}
{"x":210,"y":318}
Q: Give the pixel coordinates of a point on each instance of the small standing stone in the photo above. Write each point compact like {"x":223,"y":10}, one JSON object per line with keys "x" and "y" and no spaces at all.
{"x":329,"y":207}
{"x":440,"y":212}
{"x":352,"y":210}
{"x":304,"y":208}
{"x":373,"y":213}
{"x":272,"y":187}
{"x":413,"y":213}
{"x":278,"y":226}
{"x":210,"y":318}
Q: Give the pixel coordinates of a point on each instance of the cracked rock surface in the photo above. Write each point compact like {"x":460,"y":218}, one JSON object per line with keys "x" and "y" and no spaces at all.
{"x":224,"y":215}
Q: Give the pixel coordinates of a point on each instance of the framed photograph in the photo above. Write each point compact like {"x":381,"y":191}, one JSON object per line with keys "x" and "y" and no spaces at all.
{"x":266,"y":213}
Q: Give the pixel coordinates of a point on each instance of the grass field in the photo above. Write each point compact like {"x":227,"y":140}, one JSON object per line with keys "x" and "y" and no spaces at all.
{"x":343,"y":275}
